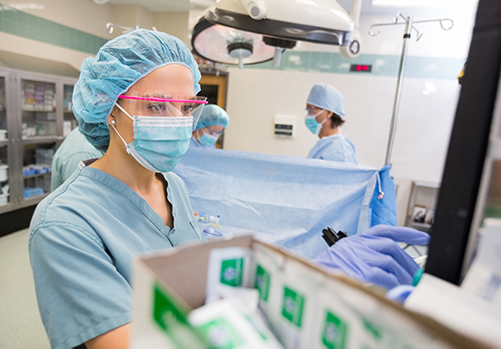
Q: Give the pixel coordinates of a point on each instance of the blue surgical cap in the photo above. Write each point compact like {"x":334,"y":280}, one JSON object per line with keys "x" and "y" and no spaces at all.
{"x":118,"y":65}
{"x":213,"y":115}
{"x":326,"y":97}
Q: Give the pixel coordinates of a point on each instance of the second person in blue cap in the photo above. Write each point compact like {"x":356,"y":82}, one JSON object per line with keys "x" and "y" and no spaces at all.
{"x":324,"y":118}
{"x":213,"y":120}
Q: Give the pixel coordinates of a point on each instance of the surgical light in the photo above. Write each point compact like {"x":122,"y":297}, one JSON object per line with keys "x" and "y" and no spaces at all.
{"x":254,"y":31}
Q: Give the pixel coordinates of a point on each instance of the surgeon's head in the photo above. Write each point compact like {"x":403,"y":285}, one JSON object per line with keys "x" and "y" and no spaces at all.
{"x":211,"y":125}
{"x":325,"y":111}
{"x":118,"y":69}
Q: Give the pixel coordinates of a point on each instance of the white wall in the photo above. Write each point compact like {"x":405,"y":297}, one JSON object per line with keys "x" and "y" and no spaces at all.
{"x":423,"y":129}
{"x":82,"y":15}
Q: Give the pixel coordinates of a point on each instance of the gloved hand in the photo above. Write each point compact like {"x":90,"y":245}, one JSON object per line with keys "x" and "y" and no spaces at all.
{"x":374,"y":256}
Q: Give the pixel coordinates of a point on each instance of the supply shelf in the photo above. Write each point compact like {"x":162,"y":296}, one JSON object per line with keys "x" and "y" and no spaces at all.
{"x":35,"y":116}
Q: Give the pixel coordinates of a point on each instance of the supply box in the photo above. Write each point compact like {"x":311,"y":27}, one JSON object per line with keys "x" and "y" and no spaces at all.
{"x":305,"y":306}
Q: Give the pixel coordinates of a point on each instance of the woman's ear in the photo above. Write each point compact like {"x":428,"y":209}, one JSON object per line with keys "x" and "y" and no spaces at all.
{"x":110,"y":120}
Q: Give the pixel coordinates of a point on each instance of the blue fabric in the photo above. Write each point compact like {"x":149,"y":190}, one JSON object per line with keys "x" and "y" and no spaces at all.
{"x":83,"y":238}
{"x":284,"y":200}
{"x":74,"y":149}
{"x":160,"y":141}
{"x":334,"y":148}
{"x":213,"y":115}
{"x":326,"y":97}
{"x":118,"y":65}
{"x":374,"y":256}
{"x":208,"y":140}
{"x":383,"y":208}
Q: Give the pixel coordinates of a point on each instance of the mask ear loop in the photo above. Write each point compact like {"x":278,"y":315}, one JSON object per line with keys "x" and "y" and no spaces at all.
{"x":112,"y":125}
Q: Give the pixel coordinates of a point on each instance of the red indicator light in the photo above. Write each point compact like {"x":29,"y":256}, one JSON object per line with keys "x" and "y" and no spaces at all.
{"x":361,"y":68}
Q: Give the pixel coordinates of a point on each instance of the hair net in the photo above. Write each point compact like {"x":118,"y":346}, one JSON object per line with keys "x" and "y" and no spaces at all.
{"x":326,"y":97}
{"x":213,"y":115}
{"x":118,"y":65}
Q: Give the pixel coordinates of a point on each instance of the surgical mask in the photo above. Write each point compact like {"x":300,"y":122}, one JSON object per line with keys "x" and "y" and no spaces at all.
{"x":207,"y":139}
{"x":313,"y":125}
{"x":159,"y":141}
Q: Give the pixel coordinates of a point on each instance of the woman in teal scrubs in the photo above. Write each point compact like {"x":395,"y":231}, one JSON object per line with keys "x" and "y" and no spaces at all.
{"x":135,"y":102}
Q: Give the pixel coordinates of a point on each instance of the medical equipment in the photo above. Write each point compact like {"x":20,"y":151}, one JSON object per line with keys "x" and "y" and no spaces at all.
{"x":247,"y":31}
{"x":409,"y":27}
{"x":470,"y":184}
{"x":110,"y":27}
{"x":331,"y":237}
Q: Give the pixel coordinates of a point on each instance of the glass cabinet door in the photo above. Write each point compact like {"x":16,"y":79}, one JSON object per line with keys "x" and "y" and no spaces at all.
{"x":4,"y":148}
{"x":38,"y":106}
{"x":37,"y":161}
{"x":69,"y":122}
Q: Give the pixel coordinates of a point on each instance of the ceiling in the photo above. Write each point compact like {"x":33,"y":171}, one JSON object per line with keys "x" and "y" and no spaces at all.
{"x":166,"y":5}
{"x":367,"y":5}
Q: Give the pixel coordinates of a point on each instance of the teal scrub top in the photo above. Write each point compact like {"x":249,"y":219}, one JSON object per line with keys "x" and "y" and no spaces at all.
{"x":83,"y":239}
{"x":74,"y":149}
{"x":334,"y":148}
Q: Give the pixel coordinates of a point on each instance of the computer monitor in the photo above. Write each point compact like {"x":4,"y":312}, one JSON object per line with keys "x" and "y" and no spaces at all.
{"x":469,"y":187}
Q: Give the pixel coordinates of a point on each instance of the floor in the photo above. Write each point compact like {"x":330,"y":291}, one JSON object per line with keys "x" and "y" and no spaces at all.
{"x":20,"y":323}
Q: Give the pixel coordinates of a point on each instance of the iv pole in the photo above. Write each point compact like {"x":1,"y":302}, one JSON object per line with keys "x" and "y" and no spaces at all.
{"x":409,"y":26}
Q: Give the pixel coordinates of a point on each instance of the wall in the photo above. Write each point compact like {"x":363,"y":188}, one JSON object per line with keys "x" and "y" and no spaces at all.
{"x":174,"y":23}
{"x":428,"y":100}
{"x":68,"y":31}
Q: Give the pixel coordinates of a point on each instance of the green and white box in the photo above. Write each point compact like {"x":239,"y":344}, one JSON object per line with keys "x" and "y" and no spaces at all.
{"x":297,"y":305}
{"x":232,"y":266}
{"x":302,"y":305}
{"x":226,"y":326}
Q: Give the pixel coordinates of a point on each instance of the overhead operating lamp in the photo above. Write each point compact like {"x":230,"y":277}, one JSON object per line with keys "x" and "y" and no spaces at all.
{"x":254,"y":31}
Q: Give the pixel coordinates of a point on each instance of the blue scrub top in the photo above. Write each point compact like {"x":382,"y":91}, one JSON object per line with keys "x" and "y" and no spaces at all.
{"x":83,"y":239}
{"x":334,"y":148}
{"x":74,"y":149}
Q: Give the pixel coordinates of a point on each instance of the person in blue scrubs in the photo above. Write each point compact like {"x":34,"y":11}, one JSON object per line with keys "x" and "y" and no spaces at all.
{"x":74,"y":149}
{"x":210,"y":127}
{"x":85,"y":235}
{"x":324,"y":118}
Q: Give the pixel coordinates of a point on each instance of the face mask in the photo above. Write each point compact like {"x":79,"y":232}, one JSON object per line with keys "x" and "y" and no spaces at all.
{"x":313,"y":125}
{"x":208,"y":140}
{"x":159,"y":141}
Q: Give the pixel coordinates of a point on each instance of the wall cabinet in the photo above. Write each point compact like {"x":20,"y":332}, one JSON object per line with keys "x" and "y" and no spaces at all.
{"x":422,"y":202}
{"x":35,"y":116}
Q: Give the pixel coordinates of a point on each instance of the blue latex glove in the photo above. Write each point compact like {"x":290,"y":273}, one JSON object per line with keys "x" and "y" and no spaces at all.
{"x":374,"y":256}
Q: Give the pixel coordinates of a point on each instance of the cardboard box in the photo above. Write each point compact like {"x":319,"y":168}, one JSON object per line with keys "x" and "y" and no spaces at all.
{"x":306,"y":306}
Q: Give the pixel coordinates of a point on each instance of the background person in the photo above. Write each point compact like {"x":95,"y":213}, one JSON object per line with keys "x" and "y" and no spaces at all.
{"x":74,"y":149}
{"x":210,"y":127}
{"x":325,"y":115}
